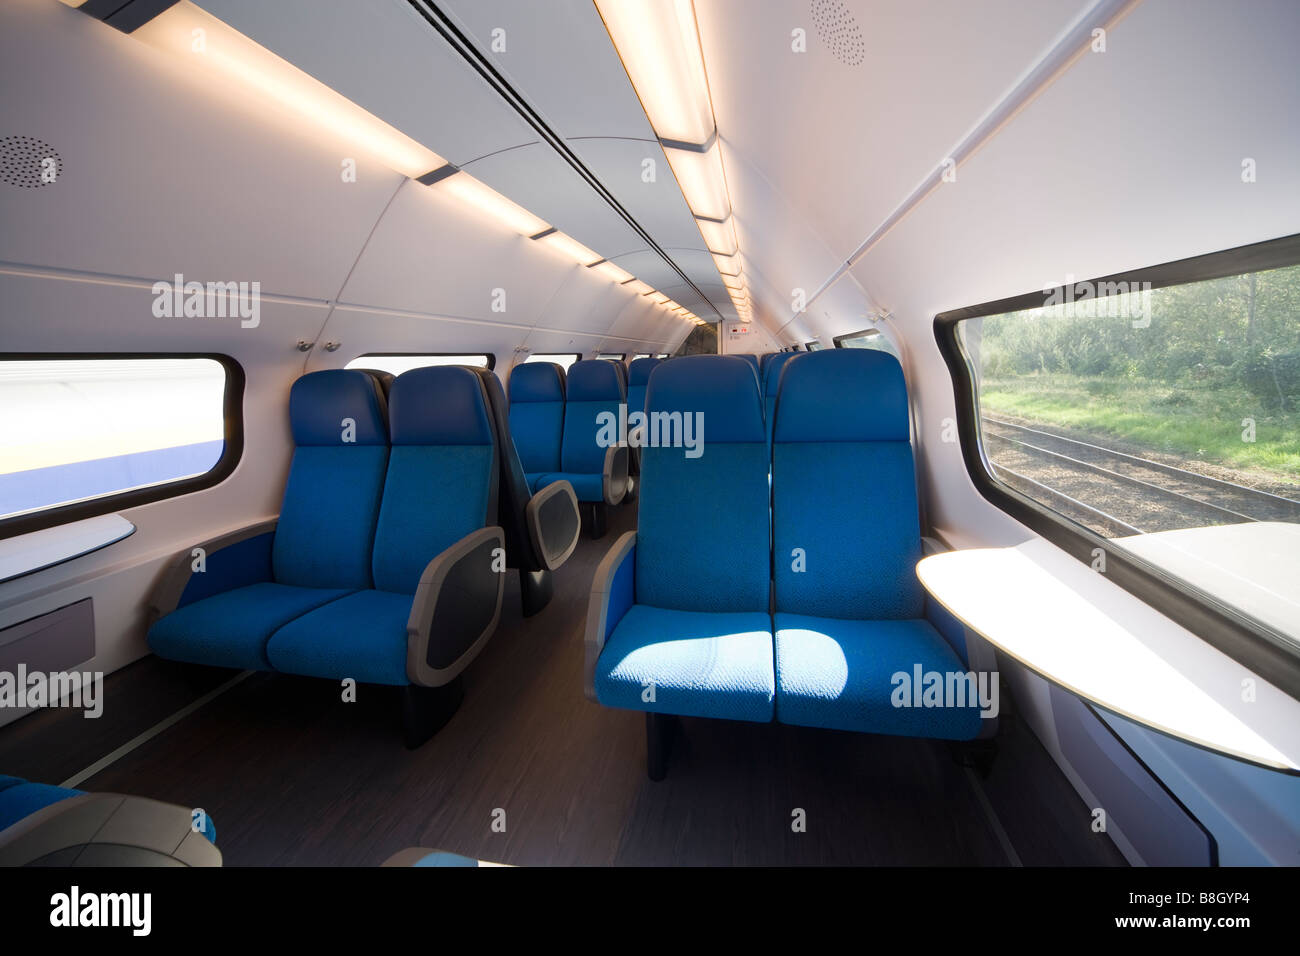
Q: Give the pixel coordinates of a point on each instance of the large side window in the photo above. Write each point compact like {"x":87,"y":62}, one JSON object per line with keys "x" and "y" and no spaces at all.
{"x":1156,"y":414}
{"x":396,"y":364}
{"x":89,"y":435}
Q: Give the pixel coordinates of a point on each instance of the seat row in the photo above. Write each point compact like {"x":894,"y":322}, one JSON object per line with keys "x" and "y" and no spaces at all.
{"x":797,"y":602}
{"x":386,"y":562}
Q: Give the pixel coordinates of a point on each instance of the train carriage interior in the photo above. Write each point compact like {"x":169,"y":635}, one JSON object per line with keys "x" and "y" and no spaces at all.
{"x":670,"y":433}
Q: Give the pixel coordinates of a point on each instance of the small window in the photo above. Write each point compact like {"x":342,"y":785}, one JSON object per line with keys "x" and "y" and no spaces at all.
{"x":1158,"y":414}
{"x":640,"y":355}
{"x":396,"y":364}
{"x":84,"y":436}
{"x":661,"y":355}
{"x":812,"y":346}
{"x":866,"y":339}
{"x":611,"y":356}
{"x":562,"y":359}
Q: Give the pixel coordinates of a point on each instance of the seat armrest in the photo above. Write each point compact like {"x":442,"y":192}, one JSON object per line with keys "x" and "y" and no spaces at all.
{"x":182,"y":584}
{"x":613,"y":592}
{"x":456,"y":607}
{"x":614,"y":474}
{"x":554,"y":523}
{"x":108,"y":829}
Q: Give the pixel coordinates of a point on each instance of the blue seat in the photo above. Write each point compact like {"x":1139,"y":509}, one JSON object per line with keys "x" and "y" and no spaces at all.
{"x":771,"y":381}
{"x":638,"y":377}
{"x":20,"y":799}
{"x":662,"y":636}
{"x":252,"y":583}
{"x":850,"y":613}
{"x":537,"y":418}
{"x":591,"y":458}
{"x":439,"y":504}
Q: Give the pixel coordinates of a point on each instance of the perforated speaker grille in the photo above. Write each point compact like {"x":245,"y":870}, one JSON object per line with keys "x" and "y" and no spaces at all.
{"x":839,"y":30}
{"x":23,"y":160}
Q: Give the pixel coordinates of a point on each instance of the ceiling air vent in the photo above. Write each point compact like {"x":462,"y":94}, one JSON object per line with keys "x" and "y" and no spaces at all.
{"x":839,"y":30}
{"x":28,"y":162}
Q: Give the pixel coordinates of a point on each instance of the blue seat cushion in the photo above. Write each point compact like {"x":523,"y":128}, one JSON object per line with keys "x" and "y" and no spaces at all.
{"x":586,"y":487}
{"x":702,"y":664}
{"x":362,"y":636}
{"x":231,"y":629}
{"x":535,"y":480}
{"x":20,"y":799}
{"x":838,"y":674}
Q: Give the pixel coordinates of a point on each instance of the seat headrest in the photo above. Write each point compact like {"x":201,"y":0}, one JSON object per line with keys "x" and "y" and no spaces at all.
{"x":439,"y":405}
{"x":595,"y":380}
{"x":638,"y":373}
{"x":536,"y":382}
{"x":723,"y":387}
{"x":320,"y":401}
{"x":772,"y":372}
{"x":842,"y":395}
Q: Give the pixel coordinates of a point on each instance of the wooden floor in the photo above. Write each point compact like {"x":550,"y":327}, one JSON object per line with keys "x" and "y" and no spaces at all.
{"x":292,"y":775}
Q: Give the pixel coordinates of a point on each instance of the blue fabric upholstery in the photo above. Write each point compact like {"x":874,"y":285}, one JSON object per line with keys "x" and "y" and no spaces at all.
{"x":586,"y":487}
{"x":362,"y":636}
{"x":638,"y":377}
{"x":845,"y":497}
{"x":771,"y":382}
{"x":594,"y":387}
{"x":20,"y":799}
{"x":331,"y":500}
{"x":839,"y":674}
{"x":701,"y":665}
{"x":442,"y":858}
{"x":238,"y":565}
{"x":537,"y":416}
{"x":231,"y":629}
{"x":441,"y":472}
{"x":686,"y":543}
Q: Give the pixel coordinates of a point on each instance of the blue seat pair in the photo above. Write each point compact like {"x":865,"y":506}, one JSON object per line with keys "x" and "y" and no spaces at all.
{"x":798,"y":601}
{"x":384,"y":565}
{"x":45,"y":825}
{"x":561,"y":435}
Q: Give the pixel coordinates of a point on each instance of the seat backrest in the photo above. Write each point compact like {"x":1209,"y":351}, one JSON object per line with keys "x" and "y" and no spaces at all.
{"x":762,"y":362}
{"x":537,"y":415}
{"x":512,"y":492}
{"x":638,"y":376}
{"x":844,"y":489}
{"x":772,"y":379}
{"x":594,"y":386}
{"x":327,"y":519}
{"x":702,"y":535}
{"x":442,"y":472}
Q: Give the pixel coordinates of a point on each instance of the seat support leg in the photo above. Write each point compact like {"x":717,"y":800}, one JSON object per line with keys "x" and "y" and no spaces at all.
{"x":596,"y":520}
{"x":535,"y":590}
{"x":659,"y":732}
{"x":426,"y":710}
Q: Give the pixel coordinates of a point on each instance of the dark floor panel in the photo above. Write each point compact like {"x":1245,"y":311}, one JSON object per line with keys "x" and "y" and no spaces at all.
{"x":293,"y":775}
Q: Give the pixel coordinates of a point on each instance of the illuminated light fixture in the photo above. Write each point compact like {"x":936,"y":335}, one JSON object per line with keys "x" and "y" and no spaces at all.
{"x":568,"y":246}
{"x":658,"y":298}
{"x":702,"y":181}
{"x":490,"y":202}
{"x":727,"y":265}
{"x":720,"y":237}
{"x":733,"y":283}
{"x":612,"y":272}
{"x":660,"y":48}
{"x":637,"y":286}
{"x":240,"y":62}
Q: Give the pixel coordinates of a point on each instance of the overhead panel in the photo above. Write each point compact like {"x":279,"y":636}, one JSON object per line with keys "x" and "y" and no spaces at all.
{"x":381,"y":55}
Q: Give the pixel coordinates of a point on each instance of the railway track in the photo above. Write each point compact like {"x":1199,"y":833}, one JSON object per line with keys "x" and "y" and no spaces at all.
{"x":1116,"y":493}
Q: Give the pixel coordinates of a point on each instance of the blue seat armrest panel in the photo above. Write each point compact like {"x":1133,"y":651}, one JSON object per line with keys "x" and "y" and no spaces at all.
{"x":456,"y":608}
{"x":229,"y":561}
{"x":232,"y":629}
{"x":863,"y":676}
{"x":691,"y":663}
{"x":613,"y":591}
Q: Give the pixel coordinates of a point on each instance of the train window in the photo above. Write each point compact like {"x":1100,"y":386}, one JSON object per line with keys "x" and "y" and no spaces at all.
{"x":640,"y":355}
{"x":661,"y":355}
{"x":1159,"y":412}
{"x":562,"y":359}
{"x":866,"y":339}
{"x":397,"y":363}
{"x":88,"y":435}
{"x":612,"y":356}
{"x":812,"y":346}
